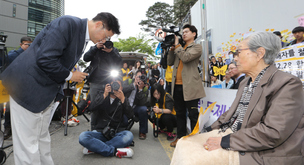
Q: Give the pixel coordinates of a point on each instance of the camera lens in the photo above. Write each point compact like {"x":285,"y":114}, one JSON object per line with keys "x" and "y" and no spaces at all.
{"x":115,"y":86}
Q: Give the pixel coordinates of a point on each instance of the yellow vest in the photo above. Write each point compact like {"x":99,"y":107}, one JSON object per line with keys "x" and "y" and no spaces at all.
{"x":169,"y":72}
{"x":125,"y":71}
{"x":164,"y":107}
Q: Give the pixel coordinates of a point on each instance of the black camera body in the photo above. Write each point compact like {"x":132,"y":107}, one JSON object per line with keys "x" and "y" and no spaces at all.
{"x":143,"y":78}
{"x":170,"y":39}
{"x":3,"y":38}
{"x":152,"y":116}
{"x":115,"y":86}
{"x":108,"y":132}
{"x":86,"y":70}
{"x":108,"y":44}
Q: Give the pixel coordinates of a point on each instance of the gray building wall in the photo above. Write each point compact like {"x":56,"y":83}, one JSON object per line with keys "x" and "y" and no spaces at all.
{"x":13,"y":27}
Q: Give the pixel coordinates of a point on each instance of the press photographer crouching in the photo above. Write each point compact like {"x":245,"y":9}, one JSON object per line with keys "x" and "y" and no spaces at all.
{"x":108,"y":136}
{"x":137,"y":93}
{"x":163,"y":107}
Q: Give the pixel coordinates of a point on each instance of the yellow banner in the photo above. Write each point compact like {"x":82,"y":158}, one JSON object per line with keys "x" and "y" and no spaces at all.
{"x":4,"y":96}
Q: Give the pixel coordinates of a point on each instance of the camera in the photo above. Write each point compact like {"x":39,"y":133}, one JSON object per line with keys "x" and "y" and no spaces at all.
{"x":108,"y":132}
{"x":114,"y":86}
{"x":143,"y":78}
{"x":170,"y":39}
{"x":108,"y":44}
{"x":3,"y":38}
{"x":87,"y":70}
{"x":151,"y":113}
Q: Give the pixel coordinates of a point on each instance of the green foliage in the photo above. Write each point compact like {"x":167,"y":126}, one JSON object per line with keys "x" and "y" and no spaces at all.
{"x":140,"y":44}
{"x":159,"y":15}
{"x":181,"y":8}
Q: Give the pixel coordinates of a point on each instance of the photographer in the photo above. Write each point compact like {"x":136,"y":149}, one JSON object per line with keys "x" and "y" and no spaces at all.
{"x":187,"y":87}
{"x":108,"y":137}
{"x":163,"y":107}
{"x":103,"y":60}
{"x":137,"y":93}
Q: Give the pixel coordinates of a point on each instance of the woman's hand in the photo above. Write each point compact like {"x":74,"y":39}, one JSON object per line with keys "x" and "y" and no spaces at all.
{"x":213,"y":143}
{"x":156,"y":109}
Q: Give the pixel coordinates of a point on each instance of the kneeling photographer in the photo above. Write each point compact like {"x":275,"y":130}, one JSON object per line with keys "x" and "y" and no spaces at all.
{"x":162,"y":105}
{"x":108,"y":137}
{"x":137,"y":93}
{"x":104,"y":58}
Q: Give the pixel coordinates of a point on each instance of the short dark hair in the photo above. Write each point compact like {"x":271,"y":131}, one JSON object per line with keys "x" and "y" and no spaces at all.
{"x":191,"y":28}
{"x":26,"y":39}
{"x":298,"y":29}
{"x":110,"y":21}
{"x":277,"y":33}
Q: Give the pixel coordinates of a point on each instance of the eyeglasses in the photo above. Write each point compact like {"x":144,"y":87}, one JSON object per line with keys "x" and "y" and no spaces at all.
{"x":239,"y":50}
{"x":107,"y":38}
{"x":230,"y":69}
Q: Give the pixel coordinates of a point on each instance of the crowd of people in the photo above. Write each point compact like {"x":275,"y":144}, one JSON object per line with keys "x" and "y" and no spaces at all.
{"x":234,"y":75}
{"x":264,"y":123}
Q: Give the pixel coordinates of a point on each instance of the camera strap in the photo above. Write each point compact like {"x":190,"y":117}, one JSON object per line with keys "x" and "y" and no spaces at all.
{"x":118,"y":104}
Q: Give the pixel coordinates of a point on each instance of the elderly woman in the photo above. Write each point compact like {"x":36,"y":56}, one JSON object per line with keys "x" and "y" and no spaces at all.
{"x":265,"y":123}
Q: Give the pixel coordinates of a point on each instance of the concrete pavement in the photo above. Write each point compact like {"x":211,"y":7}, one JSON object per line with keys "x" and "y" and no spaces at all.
{"x":67,"y":151}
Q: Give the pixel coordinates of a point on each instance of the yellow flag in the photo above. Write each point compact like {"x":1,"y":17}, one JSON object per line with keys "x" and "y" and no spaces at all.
{"x":200,"y":123}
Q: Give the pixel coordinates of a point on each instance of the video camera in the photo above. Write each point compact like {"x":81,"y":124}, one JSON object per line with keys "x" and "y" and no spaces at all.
{"x":170,"y":39}
{"x":2,"y":38}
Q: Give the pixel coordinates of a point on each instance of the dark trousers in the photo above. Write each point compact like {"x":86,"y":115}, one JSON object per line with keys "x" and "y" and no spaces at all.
{"x":181,"y":107}
{"x":167,"y":120}
{"x":168,"y":87}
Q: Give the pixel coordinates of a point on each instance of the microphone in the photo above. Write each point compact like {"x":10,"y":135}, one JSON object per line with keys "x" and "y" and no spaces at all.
{"x":87,"y":70}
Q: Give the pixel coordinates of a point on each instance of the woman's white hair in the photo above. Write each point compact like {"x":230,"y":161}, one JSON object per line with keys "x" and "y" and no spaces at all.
{"x":269,"y":41}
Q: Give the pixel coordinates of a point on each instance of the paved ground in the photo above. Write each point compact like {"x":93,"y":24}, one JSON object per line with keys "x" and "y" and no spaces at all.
{"x":67,"y":151}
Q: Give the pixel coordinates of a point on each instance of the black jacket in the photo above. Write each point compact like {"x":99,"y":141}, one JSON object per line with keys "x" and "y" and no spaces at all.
{"x":102,"y":112}
{"x":237,"y":84}
{"x":102,"y":63}
{"x":141,"y":97}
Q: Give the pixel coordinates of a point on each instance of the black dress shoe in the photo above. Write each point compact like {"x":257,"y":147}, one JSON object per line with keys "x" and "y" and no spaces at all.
{"x":7,"y":133}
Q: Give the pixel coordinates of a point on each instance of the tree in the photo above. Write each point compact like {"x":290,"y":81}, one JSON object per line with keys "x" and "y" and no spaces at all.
{"x":159,"y":15}
{"x":140,"y":44}
{"x":181,"y":8}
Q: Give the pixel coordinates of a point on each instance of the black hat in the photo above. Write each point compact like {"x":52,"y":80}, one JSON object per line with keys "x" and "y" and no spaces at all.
{"x":298,"y":29}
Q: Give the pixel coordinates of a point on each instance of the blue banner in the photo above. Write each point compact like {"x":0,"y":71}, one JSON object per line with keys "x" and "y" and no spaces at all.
{"x":158,"y":50}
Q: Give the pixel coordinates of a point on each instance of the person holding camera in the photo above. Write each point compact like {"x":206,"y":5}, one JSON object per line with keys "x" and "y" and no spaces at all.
{"x":187,"y":87}
{"x":104,"y":58}
{"x":137,"y":93}
{"x":108,"y":137}
{"x":163,"y":106}
{"x":35,"y":80}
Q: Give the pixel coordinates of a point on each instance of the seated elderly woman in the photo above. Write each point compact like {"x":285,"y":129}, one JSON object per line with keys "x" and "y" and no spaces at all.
{"x":264,"y":124}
